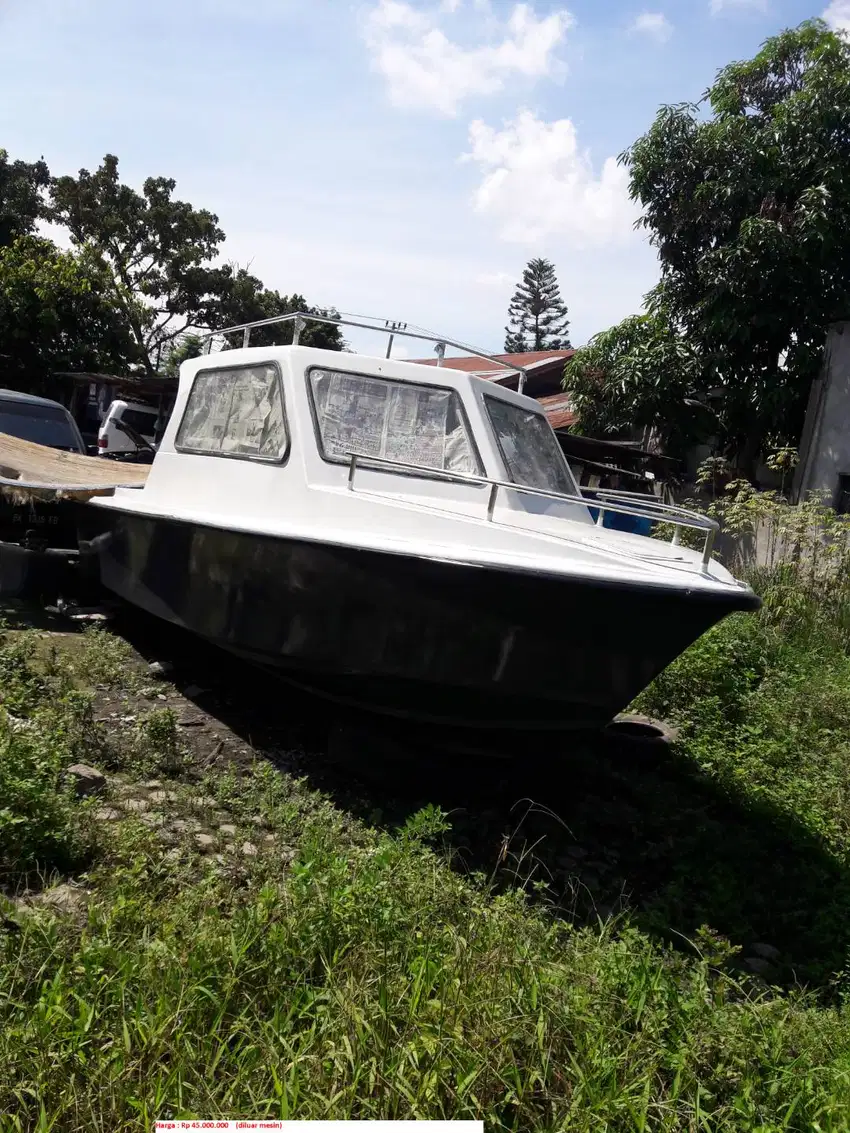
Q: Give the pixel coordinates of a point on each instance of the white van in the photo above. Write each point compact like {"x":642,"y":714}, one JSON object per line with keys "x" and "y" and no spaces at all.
{"x":112,"y":440}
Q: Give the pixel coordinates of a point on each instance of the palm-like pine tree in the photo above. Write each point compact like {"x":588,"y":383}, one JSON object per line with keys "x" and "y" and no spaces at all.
{"x":537,"y":316}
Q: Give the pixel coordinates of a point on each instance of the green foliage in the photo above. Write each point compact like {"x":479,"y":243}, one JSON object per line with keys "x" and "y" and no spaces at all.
{"x":637,"y":375}
{"x":748,"y":205}
{"x":55,"y":315}
{"x":104,"y":659}
{"x":154,"y":251}
{"x":376,"y":983}
{"x":181,"y":350}
{"x":537,"y":316}
{"x":22,"y":184}
{"x":244,"y":299}
{"x":45,"y":725}
{"x":159,"y":747}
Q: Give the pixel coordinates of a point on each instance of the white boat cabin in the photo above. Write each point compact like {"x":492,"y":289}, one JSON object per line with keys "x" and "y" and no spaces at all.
{"x":338,"y":447}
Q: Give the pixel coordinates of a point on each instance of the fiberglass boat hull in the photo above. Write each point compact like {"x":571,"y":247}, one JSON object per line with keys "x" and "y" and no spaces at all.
{"x":423,"y":637}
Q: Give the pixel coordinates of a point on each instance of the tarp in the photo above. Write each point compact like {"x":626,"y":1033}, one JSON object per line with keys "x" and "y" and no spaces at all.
{"x":31,"y":471}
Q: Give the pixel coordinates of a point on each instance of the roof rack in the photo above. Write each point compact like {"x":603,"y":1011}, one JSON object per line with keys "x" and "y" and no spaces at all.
{"x":365,"y":322}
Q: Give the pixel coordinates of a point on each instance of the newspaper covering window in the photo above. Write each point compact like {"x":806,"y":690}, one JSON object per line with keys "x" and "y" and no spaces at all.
{"x":529,"y":448}
{"x":236,"y":411}
{"x":391,"y":420}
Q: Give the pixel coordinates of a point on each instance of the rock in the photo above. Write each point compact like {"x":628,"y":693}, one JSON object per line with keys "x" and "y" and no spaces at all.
{"x":160,"y":668}
{"x":192,"y":722}
{"x":65,"y":898}
{"x":161,"y":696}
{"x":87,"y":780}
{"x":249,"y":849}
{"x":270,"y":838}
{"x":154,"y":820}
{"x":202,"y":802}
{"x":767,"y":952}
{"x":152,"y":784}
{"x":179,"y":826}
{"x":205,"y":841}
{"x":107,"y":814}
{"x":230,"y":847}
{"x":228,"y":829}
{"x":159,"y":796}
{"x":137,"y":806}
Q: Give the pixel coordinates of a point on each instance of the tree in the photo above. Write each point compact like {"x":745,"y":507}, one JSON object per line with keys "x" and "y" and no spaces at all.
{"x":749,"y":208}
{"x":537,"y":316}
{"x":21,"y":202}
{"x":244,"y":299}
{"x":155,"y":252}
{"x":54,"y":315}
{"x":180,"y":350}
{"x":637,"y":375}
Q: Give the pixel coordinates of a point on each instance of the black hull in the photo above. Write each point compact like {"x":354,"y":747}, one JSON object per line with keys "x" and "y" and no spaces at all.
{"x":413,"y":636}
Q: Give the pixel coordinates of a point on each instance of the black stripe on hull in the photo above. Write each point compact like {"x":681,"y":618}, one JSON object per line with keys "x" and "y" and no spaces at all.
{"x":419,"y":636}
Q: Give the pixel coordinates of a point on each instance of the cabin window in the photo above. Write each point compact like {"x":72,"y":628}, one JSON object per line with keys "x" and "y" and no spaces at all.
{"x":236,"y":411}
{"x":529,"y":447}
{"x":393,"y":420}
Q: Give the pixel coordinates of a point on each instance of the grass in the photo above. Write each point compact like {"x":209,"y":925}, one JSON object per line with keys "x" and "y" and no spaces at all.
{"x":352,"y":972}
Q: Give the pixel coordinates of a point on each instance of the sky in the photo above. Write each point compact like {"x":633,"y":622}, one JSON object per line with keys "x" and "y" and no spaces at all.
{"x":401,"y":159}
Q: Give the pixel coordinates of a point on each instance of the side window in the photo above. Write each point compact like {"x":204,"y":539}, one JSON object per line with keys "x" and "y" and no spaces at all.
{"x":235,"y":412}
{"x":391,"y":420}
{"x":529,"y":447}
{"x":139,"y":420}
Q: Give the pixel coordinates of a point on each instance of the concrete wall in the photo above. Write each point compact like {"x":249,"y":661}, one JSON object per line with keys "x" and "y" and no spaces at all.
{"x":825,"y":443}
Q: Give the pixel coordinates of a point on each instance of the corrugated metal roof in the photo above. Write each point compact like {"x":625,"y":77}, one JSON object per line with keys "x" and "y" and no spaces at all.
{"x":483,"y":368}
{"x":558,"y":408}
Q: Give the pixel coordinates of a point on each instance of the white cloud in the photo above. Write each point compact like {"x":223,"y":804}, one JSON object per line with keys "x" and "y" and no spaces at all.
{"x":654,"y":24}
{"x":718,"y":6}
{"x":494,"y":278}
{"x":537,"y":183}
{"x":424,"y":69}
{"x":837,"y":15}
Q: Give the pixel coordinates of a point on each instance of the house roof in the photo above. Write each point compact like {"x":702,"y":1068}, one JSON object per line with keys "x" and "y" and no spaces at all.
{"x":483,"y":368}
{"x":558,"y":408}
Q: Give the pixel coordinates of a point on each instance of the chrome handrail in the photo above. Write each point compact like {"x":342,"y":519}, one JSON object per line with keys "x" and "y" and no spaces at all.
{"x":658,"y":512}
{"x":364,"y":322}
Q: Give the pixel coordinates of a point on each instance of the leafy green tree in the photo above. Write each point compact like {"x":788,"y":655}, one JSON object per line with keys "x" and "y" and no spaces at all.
{"x":22,"y":185}
{"x":155,"y":252}
{"x":537,"y":316}
{"x":244,"y":299}
{"x":747,"y":199}
{"x":180,"y":350}
{"x":637,"y":375}
{"x":55,"y":315}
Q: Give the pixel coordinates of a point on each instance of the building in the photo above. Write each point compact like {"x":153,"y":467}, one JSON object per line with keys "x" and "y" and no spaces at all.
{"x":824,"y":467}
{"x":88,"y":396}
{"x":544,"y":369}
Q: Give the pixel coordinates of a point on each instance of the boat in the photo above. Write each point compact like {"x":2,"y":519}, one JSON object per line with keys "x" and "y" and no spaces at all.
{"x":401,"y":536}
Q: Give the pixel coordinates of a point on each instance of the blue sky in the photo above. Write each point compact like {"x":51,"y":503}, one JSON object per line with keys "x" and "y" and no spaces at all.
{"x":398,"y":158}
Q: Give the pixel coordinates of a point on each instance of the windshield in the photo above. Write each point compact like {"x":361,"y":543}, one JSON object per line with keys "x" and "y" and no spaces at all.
{"x":43,"y":424}
{"x":529,"y":448}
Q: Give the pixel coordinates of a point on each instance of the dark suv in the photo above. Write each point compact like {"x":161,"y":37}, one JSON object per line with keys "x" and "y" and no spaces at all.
{"x":37,"y":525}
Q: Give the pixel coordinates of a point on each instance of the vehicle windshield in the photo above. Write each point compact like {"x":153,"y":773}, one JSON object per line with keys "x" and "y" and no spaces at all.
{"x":529,"y":448}
{"x":43,"y":424}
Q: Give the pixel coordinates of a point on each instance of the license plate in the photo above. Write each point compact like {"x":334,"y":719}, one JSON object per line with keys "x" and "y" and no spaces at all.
{"x":33,"y":520}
